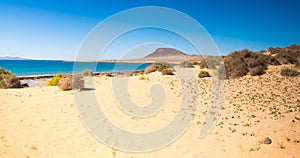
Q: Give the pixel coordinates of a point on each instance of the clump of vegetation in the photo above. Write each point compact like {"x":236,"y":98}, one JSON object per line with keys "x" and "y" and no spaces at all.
{"x":107,"y":74}
{"x":186,"y":64}
{"x":157,"y":67}
{"x":54,"y":80}
{"x":289,"y":72}
{"x":195,"y":63}
{"x":8,"y":79}
{"x":136,"y":73}
{"x":240,"y":63}
{"x":144,"y":78}
{"x":274,"y":61}
{"x":86,"y":73}
{"x":287,"y":55}
{"x":167,"y":71}
{"x":257,"y":71}
{"x":70,"y":82}
{"x":203,"y":74}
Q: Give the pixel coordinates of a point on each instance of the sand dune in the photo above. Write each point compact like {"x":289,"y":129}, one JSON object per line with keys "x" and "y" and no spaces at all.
{"x":43,"y":121}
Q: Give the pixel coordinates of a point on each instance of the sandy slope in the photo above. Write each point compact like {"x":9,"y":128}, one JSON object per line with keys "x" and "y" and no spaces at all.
{"x":43,"y":121}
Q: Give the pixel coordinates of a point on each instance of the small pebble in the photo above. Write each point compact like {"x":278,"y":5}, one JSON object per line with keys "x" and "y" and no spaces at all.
{"x":267,"y":140}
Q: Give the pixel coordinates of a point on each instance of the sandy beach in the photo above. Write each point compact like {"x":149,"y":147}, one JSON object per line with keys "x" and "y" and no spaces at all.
{"x":44,"y":122}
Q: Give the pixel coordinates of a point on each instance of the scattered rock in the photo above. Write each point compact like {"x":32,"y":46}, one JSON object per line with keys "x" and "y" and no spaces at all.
{"x":267,"y":140}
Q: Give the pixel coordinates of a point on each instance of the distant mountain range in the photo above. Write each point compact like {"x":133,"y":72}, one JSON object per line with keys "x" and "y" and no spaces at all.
{"x":12,"y":58}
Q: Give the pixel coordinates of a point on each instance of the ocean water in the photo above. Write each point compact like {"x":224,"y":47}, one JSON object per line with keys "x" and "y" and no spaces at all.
{"x":50,"y":67}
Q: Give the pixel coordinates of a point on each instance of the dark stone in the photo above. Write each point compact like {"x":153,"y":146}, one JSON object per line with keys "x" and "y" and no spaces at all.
{"x":267,"y":140}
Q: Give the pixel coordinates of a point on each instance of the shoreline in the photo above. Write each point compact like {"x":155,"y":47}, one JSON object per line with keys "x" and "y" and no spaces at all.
{"x":47,"y":76}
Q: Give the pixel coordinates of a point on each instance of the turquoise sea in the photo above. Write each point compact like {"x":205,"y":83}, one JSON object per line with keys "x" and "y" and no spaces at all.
{"x":50,"y":67}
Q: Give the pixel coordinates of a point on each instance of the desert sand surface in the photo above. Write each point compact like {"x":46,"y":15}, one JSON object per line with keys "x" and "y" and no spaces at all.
{"x":44,"y":122}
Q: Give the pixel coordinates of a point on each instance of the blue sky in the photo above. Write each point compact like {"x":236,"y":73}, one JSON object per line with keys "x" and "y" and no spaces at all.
{"x":49,"y":29}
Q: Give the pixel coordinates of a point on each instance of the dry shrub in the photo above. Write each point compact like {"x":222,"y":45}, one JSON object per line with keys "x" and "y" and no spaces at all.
{"x":86,"y":73}
{"x":289,"y":72}
{"x":203,"y":74}
{"x":8,"y":79}
{"x":240,"y":63}
{"x":287,"y":55}
{"x":273,"y":61}
{"x":257,"y":71}
{"x":70,"y":82}
{"x":136,"y":73}
{"x":107,"y":74}
{"x":167,"y":71}
{"x":195,"y":63}
{"x":157,"y":67}
{"x":186,"y":64}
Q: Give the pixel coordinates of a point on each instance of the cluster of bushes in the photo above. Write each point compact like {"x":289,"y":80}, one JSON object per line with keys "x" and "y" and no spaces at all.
{"x":136,"y":73}
{"x":286,"y":55}
{"x":8,"y":79}
{"x":69,"y":82}
{"x":289,"y":72}
{"x":241,"y":63}
{"x":164,"y":68}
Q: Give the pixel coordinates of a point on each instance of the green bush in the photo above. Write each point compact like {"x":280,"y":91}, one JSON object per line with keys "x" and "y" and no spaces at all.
{"x":54,"y":80}
{"x":289,"y":72}
{"x":186,"y":64}
{"x":8,"y":79}
{"x":203,"y":74}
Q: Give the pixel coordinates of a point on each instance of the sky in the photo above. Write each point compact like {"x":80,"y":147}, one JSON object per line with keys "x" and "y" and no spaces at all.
{"x":55,"y":29}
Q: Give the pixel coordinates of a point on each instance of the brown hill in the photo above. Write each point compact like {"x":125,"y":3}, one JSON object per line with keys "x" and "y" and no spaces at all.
{"x":170,"y":55}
